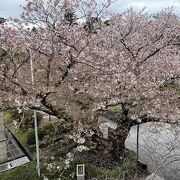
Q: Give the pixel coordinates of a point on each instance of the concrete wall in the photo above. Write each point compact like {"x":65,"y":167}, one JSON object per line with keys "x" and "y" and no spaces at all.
{"x":3,"y":146}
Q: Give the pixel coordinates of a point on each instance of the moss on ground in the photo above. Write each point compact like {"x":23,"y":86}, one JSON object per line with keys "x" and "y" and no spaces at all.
{"x":13,"y":115}
{"x":10,"y":115}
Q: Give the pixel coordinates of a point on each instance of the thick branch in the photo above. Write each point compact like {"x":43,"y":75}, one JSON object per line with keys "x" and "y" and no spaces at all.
{"x":66,"y":72}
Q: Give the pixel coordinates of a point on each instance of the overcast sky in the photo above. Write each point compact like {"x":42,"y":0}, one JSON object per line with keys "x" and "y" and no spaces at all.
{"x":11,"y":8}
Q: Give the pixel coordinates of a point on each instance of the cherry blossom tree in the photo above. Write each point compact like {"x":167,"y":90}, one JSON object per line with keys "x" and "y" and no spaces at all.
{"x":85,"y":64}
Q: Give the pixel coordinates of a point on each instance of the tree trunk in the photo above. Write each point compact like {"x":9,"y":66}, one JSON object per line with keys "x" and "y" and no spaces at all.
{"x":114,"y":145}
{"x":110,"y":152}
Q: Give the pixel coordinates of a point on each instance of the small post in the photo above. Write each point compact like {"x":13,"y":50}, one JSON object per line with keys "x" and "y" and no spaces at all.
{"x":137,"y":141}
{"x":137,"y":145}
{"x":80,"y":171}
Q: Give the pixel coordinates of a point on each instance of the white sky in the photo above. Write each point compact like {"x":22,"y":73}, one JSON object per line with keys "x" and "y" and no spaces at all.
{"x":151,"y":5}
{"x":10,"y":8}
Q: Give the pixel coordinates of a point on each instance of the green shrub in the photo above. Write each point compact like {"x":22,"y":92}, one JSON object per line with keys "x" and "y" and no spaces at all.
{"x":126,"y":169}
{"x":21,"y":135}
{"x":27,"y":136}
{"x":31,"y":137}
{"x":55,"y":172}
{"x":60,"y":153}
{"x":63,"y":151}
{"x":46,"y":129}
{"x":69,"y":173}
{"x":94,"y":171}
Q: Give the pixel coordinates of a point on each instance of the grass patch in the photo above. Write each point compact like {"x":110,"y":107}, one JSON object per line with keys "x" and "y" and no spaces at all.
{"x":10,"y":115}
{"x":27,"y":136}
{"x":127,"y":169}
{"x":21,"y":135}
{"x":24,"y":172}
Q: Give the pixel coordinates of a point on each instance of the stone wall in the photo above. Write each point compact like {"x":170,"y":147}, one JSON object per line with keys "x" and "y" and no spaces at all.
{"x":3,"y":146}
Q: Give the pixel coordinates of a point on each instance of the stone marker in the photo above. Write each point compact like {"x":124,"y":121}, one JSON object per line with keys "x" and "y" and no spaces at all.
{"x":80,"y":171}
